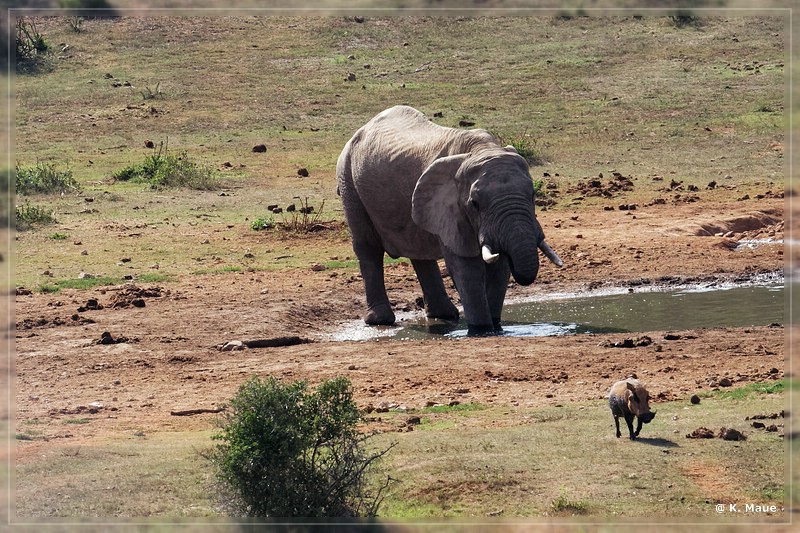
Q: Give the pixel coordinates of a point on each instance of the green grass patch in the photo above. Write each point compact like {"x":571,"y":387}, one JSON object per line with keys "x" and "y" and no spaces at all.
{"x":741,"y":393}
{"x":457,"y":408}
{"x":154,"y":277}
{"x":77,"y":420}
{"x":59,"y":236}
{"x":80,"y":284}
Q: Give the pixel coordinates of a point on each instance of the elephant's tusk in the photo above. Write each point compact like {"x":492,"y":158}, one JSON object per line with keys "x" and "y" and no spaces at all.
{"x":488,"y":256}
{"x":550,"y":254}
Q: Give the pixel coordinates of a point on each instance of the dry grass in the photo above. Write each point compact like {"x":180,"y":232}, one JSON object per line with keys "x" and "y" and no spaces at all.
{"x":597,"y":94}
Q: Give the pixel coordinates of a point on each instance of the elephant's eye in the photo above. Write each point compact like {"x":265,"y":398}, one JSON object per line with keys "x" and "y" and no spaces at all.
{"x":474,"y":203}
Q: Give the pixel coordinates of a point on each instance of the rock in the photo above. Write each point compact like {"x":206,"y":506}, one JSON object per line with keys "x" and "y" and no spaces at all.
{"x":731,"y":434}
{"x":85,"y":275}
{"x":91,"y":305}
{"x":302,"y":172}
{"x":759,"y":425}
{"x":772,"y":428}
{"x":107,"y":338}
{"x":725,"y":382}
{"x":149,"y":144}
{"x":260,"y":148}
{"x":413,"y":421}
{"x":695,"y":399}
{"x":231,"y":346}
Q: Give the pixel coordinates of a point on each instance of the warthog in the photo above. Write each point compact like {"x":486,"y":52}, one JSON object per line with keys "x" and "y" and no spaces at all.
{"x":629,"y":399}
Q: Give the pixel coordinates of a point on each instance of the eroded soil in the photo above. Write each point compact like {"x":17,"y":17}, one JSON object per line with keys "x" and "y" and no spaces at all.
{"x":160,"y":356}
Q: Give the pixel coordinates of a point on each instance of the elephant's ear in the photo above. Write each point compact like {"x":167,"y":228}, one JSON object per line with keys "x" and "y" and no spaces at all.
{"x":436,"y":206}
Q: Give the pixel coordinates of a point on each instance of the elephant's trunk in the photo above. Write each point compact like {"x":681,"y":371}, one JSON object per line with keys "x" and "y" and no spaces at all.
{"x":517,"y":235}
{"x":523,"y":257}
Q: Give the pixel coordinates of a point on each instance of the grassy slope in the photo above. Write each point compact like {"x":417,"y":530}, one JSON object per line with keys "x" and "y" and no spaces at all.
{"x":596,"y":94}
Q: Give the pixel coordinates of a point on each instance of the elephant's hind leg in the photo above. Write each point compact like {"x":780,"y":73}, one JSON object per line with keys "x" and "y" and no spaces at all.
{"x":370,"y":262}
{"x":437,"y":303}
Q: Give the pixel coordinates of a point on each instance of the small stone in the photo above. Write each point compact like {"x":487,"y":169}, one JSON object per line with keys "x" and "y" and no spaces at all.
{"x":695,"y":399}
{"x":725,"y":382}
{"x":231,"y":346}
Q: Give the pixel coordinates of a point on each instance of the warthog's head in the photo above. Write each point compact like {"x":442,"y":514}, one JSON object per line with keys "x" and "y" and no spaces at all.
{"x":638,"y":401}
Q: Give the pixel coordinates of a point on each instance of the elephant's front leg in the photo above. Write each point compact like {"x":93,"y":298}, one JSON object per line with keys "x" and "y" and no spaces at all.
{"x":469,"y":275}
{"x":497,"y":276}
{"x":437,"y":303}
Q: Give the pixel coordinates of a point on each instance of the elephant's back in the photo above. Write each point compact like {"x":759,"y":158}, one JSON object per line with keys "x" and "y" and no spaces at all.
{"x":386,"y":157}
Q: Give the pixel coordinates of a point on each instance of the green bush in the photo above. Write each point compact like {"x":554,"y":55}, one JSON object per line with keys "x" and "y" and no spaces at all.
{"x":286,"y":452}
{"x":31,"y":46}
{"x":44,"y":178}
{"x":163,"y":170}
{"x":27,"y":215}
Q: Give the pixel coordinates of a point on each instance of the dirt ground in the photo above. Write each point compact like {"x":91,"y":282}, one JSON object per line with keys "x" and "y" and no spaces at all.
{"x":160,"y":357}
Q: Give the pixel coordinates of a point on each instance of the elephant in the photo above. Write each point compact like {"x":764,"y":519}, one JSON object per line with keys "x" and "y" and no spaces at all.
{"x":411,"y":188}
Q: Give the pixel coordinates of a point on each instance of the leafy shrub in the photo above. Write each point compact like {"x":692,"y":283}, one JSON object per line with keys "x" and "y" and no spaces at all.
{"x":27,"y":215}
{"x":163,"y":170}
{"x":44,"y":178}
{"x":31,"y":46}
{"x":262,"y":223}
{"x":289,"y":453}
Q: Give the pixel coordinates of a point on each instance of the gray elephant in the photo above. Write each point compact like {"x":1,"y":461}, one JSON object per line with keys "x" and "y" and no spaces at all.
{"x":414,"y":189}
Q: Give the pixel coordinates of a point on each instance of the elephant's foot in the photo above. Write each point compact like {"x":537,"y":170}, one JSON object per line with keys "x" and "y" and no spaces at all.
{"x":446,"y":311}
{"x":483,"y":331}
{"x":380,"y":315}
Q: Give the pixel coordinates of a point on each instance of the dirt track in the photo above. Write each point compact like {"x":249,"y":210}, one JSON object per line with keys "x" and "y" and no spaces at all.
{"x":162,"y":355}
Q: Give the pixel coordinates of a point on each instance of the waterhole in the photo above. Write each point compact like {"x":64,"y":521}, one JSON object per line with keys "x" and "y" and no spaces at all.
{"x":759,"y":302}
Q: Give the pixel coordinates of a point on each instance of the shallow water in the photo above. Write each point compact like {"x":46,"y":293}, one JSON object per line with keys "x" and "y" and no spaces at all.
{"x":635,"y":311}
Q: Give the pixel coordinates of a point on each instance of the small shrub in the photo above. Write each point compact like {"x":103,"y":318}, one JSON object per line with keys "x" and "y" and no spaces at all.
{"x":286,"y":452}
{"x":564,"y":506}
{"x":263,"y":223}
{"x":76,"y":24}
{"x":526,"y":146}
{"x":164,"y":170}
{"x":684,"y":19}
{"x":44,"y":178}
{"x":150,"y":94}
{"x":304,"y":218}
{"x":59,"y":236}
{"x":26,"y":216}
{"x":31,"y":46}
